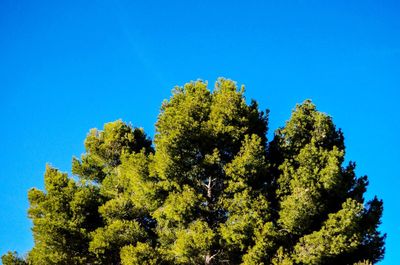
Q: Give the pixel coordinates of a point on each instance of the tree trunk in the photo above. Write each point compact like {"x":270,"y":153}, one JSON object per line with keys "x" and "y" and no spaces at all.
{"x":209,"y":188}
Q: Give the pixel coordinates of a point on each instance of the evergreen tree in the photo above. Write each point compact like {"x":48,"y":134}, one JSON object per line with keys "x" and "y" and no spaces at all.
{"x":212,"y":191}
{"x":105,"y":151}
{"x":210,"y":161}
{"x":70,"y":225}
{"x":62,"y":217}
{"x":11,"y":258}
{"x":321,"y":212}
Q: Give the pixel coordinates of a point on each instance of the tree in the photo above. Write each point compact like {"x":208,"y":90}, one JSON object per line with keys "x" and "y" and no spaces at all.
{"x":68,"y":227}
{"x":105,"y":151}
{"x":212,"y":191}
{"x":11,"y":258}
{"x":61,"y":217}
{"x":320,"y":204}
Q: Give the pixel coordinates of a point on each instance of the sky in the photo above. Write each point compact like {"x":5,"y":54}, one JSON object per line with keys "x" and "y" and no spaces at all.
{"x":68,"y":66}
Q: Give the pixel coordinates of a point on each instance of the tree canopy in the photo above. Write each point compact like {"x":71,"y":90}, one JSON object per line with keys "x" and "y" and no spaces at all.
{"x":210,"y":189}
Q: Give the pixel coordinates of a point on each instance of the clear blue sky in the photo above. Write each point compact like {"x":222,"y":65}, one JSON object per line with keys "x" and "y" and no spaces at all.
{"x":68,"y":66}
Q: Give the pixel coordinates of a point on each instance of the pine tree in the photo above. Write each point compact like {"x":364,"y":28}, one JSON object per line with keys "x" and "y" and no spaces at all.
{"x":210,"y":162}
{"x":71,"y":223}
{"x":212,"y":191}
{"x":105,"y":152}
{"x":321,"y":212}
{"x":11,"y":258}
{"x":62,"y":216}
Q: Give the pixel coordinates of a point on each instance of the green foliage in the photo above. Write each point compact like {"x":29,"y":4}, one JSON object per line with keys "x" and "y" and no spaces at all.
{"x":108,"y":240}
{"x":192,"y":243}
{"x":104,"y":149}
{"x":11,"y":258}
{"x":142,"y":253}
{"x":339,"y":234}
{"x":62,"y":217}
{"x":320,"y":202}
{"x":212,"y":191}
